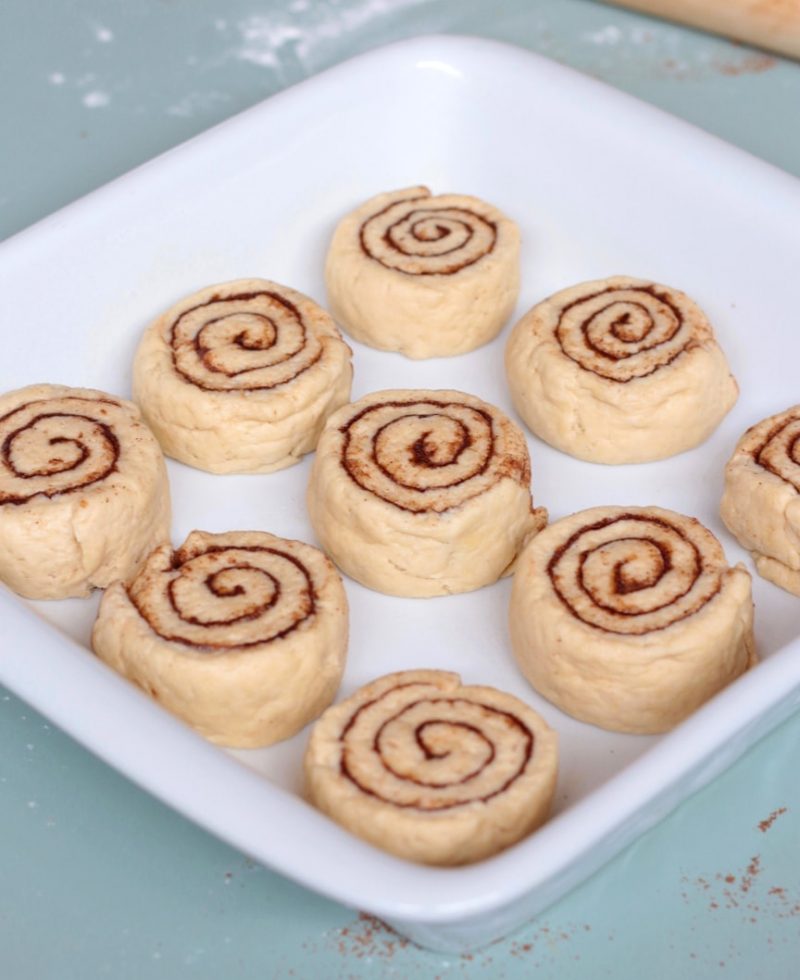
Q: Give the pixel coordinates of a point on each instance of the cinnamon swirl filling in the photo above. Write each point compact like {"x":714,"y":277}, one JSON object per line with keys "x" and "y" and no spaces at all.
{"x":634,"y":573}
{"x":426,"y":455}
{"x":217,"y":597}
{"x":421,"y":235}
{"x":779,"y":452}
{"x":243,"y":341}
{"x":413,"y":747}
{"x":56,"y":446}
{"x":622,"y":333}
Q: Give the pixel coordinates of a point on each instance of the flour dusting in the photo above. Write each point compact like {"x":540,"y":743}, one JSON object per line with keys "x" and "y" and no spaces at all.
{"x":304,"y":27}
{"x":606,"y":35}
{"x":96,"y":99}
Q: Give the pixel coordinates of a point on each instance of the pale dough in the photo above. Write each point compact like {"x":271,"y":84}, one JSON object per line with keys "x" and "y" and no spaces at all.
{"x":761,"y":502}
{"x":422,"y":493}
{"x":83,"y":491}
{"x":243,"y":635}
{"x":431,"y":770}
{"x":629,"y":617}
{"x":619,"y":370}
{"x":240,"y":377}
{"x":428,"y":276}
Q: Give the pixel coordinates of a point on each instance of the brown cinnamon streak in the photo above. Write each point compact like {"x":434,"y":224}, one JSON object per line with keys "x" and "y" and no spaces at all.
{"x":792,"y":451}
{"x":425,"y":213}
{"x":201,"y":352}
{"x":511,"y":720}
{"x":625,"y":588}
{"x":419,"y":453}
{"x":619,"y":324}
{"x":83,"y":454}
{"x":252,"y":614}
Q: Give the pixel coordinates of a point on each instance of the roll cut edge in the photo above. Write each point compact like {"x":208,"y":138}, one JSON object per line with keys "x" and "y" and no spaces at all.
{"x":239,"y":377}
{"x":84,"y":494}
{"x":619,"y":370}
{"x":422,"y":493}
{"x":761,"y":501}
{"x":630,"y":618}
{"x":432,"y":770}
{"x":243,"y":634}
{"x":424,"y":275}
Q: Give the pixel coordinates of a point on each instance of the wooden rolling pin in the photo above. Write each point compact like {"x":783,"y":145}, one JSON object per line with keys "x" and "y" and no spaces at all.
{"x":771,"y":24}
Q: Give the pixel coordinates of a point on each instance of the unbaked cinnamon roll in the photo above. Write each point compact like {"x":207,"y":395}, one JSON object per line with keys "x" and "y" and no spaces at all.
{"x":630,"y":617}
{"x":428,"y":276}
{"x":83,"y":490}
{"x":240,"y":377}
{"x":431,"y":770}
{"x":761,"y":502}
{"x":243,"y":635}
{"x":619,"y":370}
{"x":422,"y":493}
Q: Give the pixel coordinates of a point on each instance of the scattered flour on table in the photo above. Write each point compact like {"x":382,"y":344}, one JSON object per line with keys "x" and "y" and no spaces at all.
{"x":102,"y":34}
{"x":605,"y":35}
{"x":264,"y":35}
{"x":96,"y":99}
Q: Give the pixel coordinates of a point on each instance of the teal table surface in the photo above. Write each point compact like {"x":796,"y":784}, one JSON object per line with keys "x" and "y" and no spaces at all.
{"x":101,"y":880}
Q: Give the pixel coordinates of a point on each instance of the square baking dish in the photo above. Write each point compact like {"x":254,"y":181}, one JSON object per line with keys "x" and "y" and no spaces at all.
{"x":600,"y":184}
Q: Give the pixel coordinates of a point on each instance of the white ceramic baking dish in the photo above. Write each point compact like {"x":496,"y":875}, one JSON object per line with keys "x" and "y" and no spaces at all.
{"x":600,"y":184}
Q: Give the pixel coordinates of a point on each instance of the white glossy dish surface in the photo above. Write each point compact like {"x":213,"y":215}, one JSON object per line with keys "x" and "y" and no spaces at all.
{"x":600,"y":184}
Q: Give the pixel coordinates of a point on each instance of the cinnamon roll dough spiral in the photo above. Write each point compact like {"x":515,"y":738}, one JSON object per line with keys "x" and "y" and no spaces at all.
{"x":431,"y":770}
{"x":761,"y":502}
{"x":83,"y":491}
{"x":422,"y":493}
{"x":629,"y":617}
{"x":428,"y":276}
{"x":619,"y":370}
{"x":240,"y":377}
{"x":243,"y":635}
